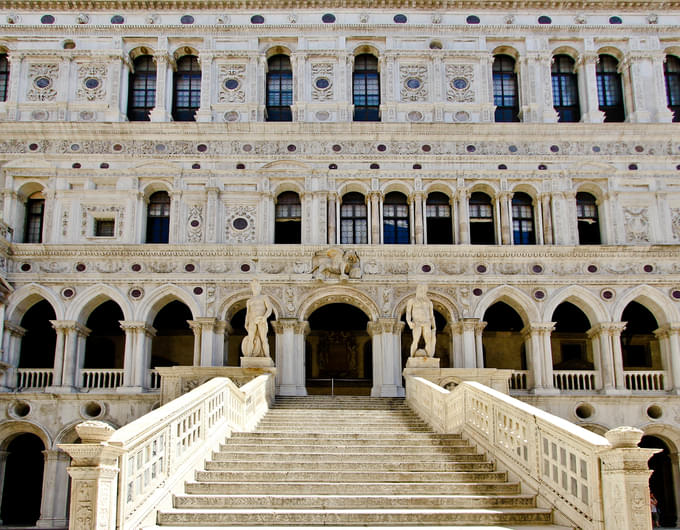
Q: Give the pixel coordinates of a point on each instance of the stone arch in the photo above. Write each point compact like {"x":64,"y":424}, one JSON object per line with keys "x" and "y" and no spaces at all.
{"x":288,"y":185}
{"x":527,"y":188}
{"x":278,"y":49}
{"x":141,"y":50}
{"x":507,"y":50}
{"x":348,"y":187}
{"x":518,"y":300}
{"x":611,"y":50}
{"x":13,"y":428}
{"x":28,"y":188}
{"x":154,"y":186}
{"x":161,"y":296}
{"x":370,"y":48}
{"x":26,"y":296}
{"x":237,"y":301}
{"x":484,"y":187}
{"x":653,"y":299}
{"x":567,"y":50}
{"x":398,"y":186}
{"x":442,"y":303}
{"x":338,"y":295}
{"x":183,"y":50}
{"x":440,"y":186}
{"x":90,"y":299}
{"x":582,"y":298}
{"x":669,"y":434}
{"x":592,"y":188}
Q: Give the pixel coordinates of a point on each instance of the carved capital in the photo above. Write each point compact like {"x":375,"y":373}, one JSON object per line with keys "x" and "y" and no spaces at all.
{"x":15,"y":329}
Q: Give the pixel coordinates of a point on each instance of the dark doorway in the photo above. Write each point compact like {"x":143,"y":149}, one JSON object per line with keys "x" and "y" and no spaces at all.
{"x":22,"y":489}
{"x":39,"y":341}
{"x":637,"y":340}
{"x":105,"y":346}
{"x":438,"y":215}
{"x":502,"y":338}
{"x":340,"y":351}
{"x":174,"y":341}
{"x":569,"y":339}
{"x":661,"y":482}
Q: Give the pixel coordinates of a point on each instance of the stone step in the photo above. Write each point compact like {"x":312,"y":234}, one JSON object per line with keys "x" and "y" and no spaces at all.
{"x":365,"y":488}
{"x":386,"y":527}
{"x":344,"y":502}
{"x":373,"y":438}
{"x":232,"y":475}
{"x":349,"y":420}
{"x":359,"y":517}
{"x":226,"y":463}
{"x":348,"y":449}
{"x":340,"y":429}
{"x":275,"y":456}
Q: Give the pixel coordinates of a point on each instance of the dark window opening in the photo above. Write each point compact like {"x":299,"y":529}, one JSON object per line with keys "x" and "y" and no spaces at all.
{"x":35,"y":211}
{"x":22,"y":485}
{"x":353,"y":219}
{"x":482,"y":229}
{"x":609,"y":89}
{"x":173,"y":344}
{"x":570,"y":338}
{"x":104,"y":227}
{"x":187,"y":90}
{"x":505,"y":95}
{"x":588,"y":220}
{"x":279,"y":89}
{"x":105,"y":345}
{"x":395,"y":219}
{"x":565,"y":89}
{"x":671,"y":71}
{"x":4,"y":76}
{"x":523,"y":220}
{"x":40,"y":339}
{"x":288,"y":225}
{"x":438,"y":215}
{"x":366,"y":88}
{"x":638,"y":337}
{"x":142,"y":89}
{"x":502,"y":338}
{"x":158,"y":218}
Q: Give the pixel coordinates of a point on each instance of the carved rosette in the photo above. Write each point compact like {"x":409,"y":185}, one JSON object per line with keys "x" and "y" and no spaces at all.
{"x":322,"y":81}
{"x":240,"y":224}
{"x":92,"y":81}
{"x":231,"y":83}
{"x":43,"y":77}
{"x":413,"y":82}
{"x":459,"y":78}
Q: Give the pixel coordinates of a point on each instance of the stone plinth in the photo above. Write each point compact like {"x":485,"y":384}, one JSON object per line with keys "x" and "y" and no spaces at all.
{"x":446,"y":377}
{"x":257,"y":362}
{"x":422,"y":362}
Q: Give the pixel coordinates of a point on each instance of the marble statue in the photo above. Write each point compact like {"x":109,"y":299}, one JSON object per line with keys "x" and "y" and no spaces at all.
{"x":258,"y":310}
{"x":420,"y":318}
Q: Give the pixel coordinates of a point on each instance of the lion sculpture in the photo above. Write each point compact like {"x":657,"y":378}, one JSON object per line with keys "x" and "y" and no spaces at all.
{"x":336,"y":263}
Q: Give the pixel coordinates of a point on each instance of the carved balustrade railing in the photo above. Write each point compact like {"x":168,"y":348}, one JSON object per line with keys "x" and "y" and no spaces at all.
{"x":154,"y":380}
{"x":518,"y":380}
{"x":575,"y":380}
{"x":587,"y":478}
{"x":102,"y":378}
{"x":31,"y":378}
{"x":120,"y":478}
{"x":645,"y":380}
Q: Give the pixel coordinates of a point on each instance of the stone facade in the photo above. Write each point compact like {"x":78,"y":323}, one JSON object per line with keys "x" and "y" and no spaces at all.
{"x":71,"y":149}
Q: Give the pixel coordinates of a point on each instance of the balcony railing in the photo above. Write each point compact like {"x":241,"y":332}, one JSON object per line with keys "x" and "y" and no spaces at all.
{"x":154,"y":380}
{"x":645,"y":380}
{"x":102,"y":377}
{"x":518,"y":380}
{"x":575,"y":380}
{"x":29,"y":378}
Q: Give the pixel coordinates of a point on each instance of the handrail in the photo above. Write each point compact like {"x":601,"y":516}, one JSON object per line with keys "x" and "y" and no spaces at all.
{"x":34,"y":377}
{"x":570,"y":468}
{"x":149,"y":458}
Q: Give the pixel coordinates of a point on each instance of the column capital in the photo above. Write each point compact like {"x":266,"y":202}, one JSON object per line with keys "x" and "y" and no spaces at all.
{"x":138,"y":326}
{"x":538,"y":328}
{"x":15,"y":329}
{"x":467,"y":324}
{"x":298,"y":326}
{"x":385,"y":325}
{"x":70,"y":325}
{"x":610,"y":328}
{"x":671,"y":328}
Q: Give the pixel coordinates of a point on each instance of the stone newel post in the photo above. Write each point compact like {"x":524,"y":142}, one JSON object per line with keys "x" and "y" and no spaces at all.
{"x":94,"y":477}
{"x":625,"y":481}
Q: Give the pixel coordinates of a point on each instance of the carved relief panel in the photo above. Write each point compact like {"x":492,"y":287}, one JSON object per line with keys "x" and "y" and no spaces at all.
{"x":240,"y":224}
{"x":637,"y":224}
{"x":232,"y":79}
{"x":413,"y":82}
{"x":459,"y":82}
{"x":42,"y":81}
{"x":322,"y":81}
{"x":91,"y":82}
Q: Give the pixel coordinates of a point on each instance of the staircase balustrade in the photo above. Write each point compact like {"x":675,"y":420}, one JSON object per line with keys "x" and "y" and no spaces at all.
{"x":594,"y":483}
{"x":120,"y":478}
{"x":34,"y":378}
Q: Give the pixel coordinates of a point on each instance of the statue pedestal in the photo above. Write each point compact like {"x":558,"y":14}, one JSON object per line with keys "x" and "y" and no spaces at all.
{"x":256,"y":362}
{"x":422,"y":362}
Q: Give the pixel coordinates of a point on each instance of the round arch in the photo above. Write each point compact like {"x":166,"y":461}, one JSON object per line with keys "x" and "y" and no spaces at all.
{"x":349,"y":187}
{"x":529,"y":189}
{"x":586,"y":301}
{"x":611,"y":50}
{"x":653,"y":299}
{"x":278,"y":49}
{"x":506,"y":50}
{"x":11,"y":429}
{"x":484,"y":187}
{"x":161,"y":296}
{"x":237,"y":301}
{"x":26,"y":297}
{"x":369,"y":48}
{"x":184,"y":50}
{"x":338,"y":295}
{"x":397,"y":186}
{"x":567,"y":50}
{"x":28,"y":188}
{"x":441,"y":187}
{"x":154,"y":186}
{"x":442,"y":303}
{"x":90,"y":299}
{"x":592,"y":188}
{"x":287,"y":185}
{"x":519,"y":301}
{"x":138,"y":51}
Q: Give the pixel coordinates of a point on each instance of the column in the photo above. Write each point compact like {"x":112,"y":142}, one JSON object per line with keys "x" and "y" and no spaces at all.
{"x":315,"y":222}
{"x":506,"y":222}
{"x":606,"y":337}
{"x":615,"y":330}
{"x":175,"y":209}
{"x":290,"y":356}
{"x":416,"y":200}
{"x":544,"y":331}
{"x":163,"y":86}
{"x":54,"y":491}
{"x":463,"y":196}
{"x":663,"y":113}
{"x":669,"y":342}
{"x":12,"y":352}
{"x":221,"y":336}
{"x":638,"y":86}
{"x":204,"y":113}
{"x":546,"y":211}
{"x":138,"y":341}
{"x":195,"y":326}
{"x":376,"y":225}
{"x":539,"y":356}
{"x":587,"y":82}
{"x":332,"y":200}
{"x":479,"y":330}
{"x":73,"y":355}
{"x":124,"y":68}
{"x":16,"y":66}
{"x":386,"y":342}
{"x":3,"y":467}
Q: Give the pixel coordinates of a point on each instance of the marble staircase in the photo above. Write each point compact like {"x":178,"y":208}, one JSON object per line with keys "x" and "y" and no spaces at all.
{"x":350,"y":461}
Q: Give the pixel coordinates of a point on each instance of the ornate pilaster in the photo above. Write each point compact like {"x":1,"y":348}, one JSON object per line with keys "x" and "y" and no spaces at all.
{"x":504,"y":198}
{"x":163,"y":86}
{"x":332,"y":205}
{"x":69,"y":360}
{"x":587,"y":82}
{"x":546,"y":212}
{"x":375,"y":198}
{"x":463,"y":197}
{"x":416,"y":200}
{"x":669,"y":343}
{"x":55,"y":490}
{"x":204,"y":113}
{"x":606,"y":337}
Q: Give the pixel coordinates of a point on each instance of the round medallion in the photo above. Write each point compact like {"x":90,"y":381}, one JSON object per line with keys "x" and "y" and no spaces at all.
{"x":136,"y":267}
{"x":472,"y":19}
{"x":245,"y":267}
{"x":400,"y":19}
{"x":190,"y":267}
{"x":462,"y":115}
{"x":607,"y":294}
{"x":328,"y":18}
{"x":232,"y":115}
{"x":136,"y":293}
{"x":42,"y":82}
{"x":240,"y":223}
{"x":117,"y":19}
{"x":481,"y":269}
{"x":413,"y":83}
{"x":187,"y":19}
{"x":426,"y":268}
{"x":25,"y":267}
{"x":91,"y":83}
{"x":415,"y":115}
{"x":195,"y":223}
{"x":477,"y":291}
{"x":322,"y":83}
{"x":80,"y":267}
{"x":68,"y":293}
{"x":257,"y":19}
{"x":322,"y":115}
{"x":592,"y":268}
{"x":460,"y":83}
{"x":47,"y":19}
{"x":231,"y":84}
{"x":198,"y":290}
{"x":201,"y":148}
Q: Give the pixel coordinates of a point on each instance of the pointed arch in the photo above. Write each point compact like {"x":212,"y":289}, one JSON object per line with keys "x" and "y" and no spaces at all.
{"x":93,"y":297}
{"x":518,"y":300}
{"x":160,"y":297}
{"x":27,"y":296}
{"x":338,"y":295}
{"x":237,"y":301}
{"x":651,"y":298}
{"x":582,"y":298}
{"x":441,"y":302}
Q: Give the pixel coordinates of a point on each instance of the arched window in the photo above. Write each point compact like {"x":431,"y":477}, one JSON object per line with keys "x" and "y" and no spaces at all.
{"x":142,"y":89}
{"x":609,"y":89}
{"x":565,"y":89}
{"x":187,"y":91}
{"x":366,"y":88}
{"x":395,"y":219}
{"x":523,"y":220}
{"x":438,"y":215}
{"x":671,"y":70}
{"x":4,"y":76}
{"x":279,"y":88}
{"x":288,"y":226}
{"x":505,"y":95}
{"x":353,"y":219}
{"x":482,"y":231}
{"x":588,"y":221}
{"x":158,"y":218}
{"x":35,"y":210}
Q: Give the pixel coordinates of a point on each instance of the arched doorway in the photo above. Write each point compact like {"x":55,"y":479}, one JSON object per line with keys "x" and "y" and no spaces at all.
{"x":502,"y":338}
{"x":639,"y":346}
{"x":173,"y":344}
{"x":105,"y":345}
{"x":661,"y":483}
{"x":22,"y":485}
{"x":238,"y":332}
{"x":38,"y":343}
{"x":338,"y":354}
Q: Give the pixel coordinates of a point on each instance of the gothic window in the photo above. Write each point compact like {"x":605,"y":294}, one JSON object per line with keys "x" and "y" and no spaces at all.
{"x":353,"y":219}
{"x":438,"y":215}
{"x":279,"y":88}
{"x":187,"y":90}
{"x":366,"y":88}
{"x":35,"y":210}
{"x":523,"y":220}
{"x":142,"y":91}
{"x":671,"y":69}
{"x":158,"y":218}
{"x":482,"y":230}
{"x":588,"y":220}
{"x":395,"y":219}
{"x":4,"y":76}
{"x":288,"y":226}
{"x":505,"y":95}
{"x":565,"y":89}
{"x":609,"y":90}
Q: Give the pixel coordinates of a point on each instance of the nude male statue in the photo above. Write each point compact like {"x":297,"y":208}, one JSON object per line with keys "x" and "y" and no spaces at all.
{"x":420,"y":318}
{"x":258,"y":309}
